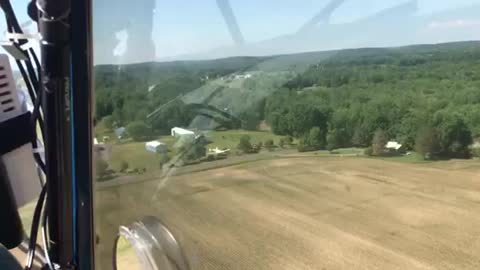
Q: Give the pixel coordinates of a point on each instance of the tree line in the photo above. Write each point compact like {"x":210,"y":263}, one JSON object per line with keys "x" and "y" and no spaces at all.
{"x":428,"y":101}
{"x":425,"y":97}
{"x":126,"y":94}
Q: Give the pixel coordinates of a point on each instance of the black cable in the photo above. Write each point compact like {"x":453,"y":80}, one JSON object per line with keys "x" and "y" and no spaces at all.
{"x":37,"y":156}
{"x":40,"y":162}
{"x":37,"y":64}
{"x":14,"y":27}
{"x":37,"y":112}
{"x":33,"y":76}
{"x":31,"y":83}
{"x":32,"y":79}
{"x":11,"y":18}
{"x":26,"y":80}
{"x":31,"y":72}
{"x":45,"y":239}
{"x":36,"y":116}
{"x":35,"y":60}
{"x":114,"y":257}
{"x":38,"y":90}
{"x":23,"y":247}
{"x":34,"y":228}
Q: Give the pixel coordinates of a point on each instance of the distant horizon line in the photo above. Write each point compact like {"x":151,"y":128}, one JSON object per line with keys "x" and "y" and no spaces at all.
{"x":172,"y":60}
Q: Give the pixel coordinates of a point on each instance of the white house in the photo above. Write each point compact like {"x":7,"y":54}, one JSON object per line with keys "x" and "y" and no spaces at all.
{"x":179,"y":132}
{"x":156,"y":147}
{"x":151,"y":87}
{"x":120,"y":132}
{"x":242,"y":76}
{"x":476,"y":144}
{"x":393,"y":146}
{"x":218,"y":151}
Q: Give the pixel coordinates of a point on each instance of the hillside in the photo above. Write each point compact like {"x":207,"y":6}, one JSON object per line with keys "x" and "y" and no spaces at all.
{"x":347,"y":94}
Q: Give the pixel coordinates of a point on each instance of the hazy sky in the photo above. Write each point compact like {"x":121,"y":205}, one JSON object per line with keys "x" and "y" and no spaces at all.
{"x":184,"y":23}
{"x":187,"y":27}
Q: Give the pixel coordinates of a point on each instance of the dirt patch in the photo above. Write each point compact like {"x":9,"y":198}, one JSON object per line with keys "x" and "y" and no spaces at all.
{"x":311,"y":213}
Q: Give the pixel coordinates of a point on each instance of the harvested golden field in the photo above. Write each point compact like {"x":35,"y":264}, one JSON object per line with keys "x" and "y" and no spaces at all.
{"x":310,"y":213}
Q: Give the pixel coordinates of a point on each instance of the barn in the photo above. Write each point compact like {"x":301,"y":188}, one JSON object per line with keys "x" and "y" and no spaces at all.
{"x":179,"y":132}
{"x":156,"y":147}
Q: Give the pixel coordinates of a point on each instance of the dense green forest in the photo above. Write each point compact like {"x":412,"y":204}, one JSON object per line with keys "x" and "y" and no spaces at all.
{"x":128,"y":93}
{"x":401,"y":92}
{"x":426,"y":97}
